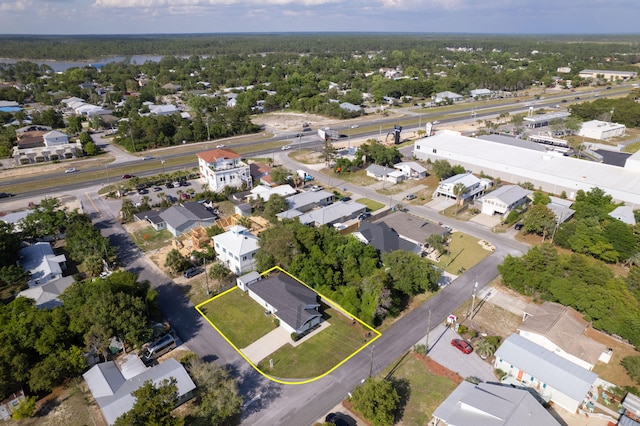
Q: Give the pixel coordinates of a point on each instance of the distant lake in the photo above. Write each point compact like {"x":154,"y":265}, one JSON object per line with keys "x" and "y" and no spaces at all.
{"x":59,"y":66}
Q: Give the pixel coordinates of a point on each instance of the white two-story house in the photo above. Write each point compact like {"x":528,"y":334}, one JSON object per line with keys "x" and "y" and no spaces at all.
{"x":221,"y":168}
{"x":237,"y":249}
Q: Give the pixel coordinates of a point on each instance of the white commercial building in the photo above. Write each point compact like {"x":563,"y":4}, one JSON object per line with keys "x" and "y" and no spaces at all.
{"x":596,"y":129}
{"x":550,"y":171}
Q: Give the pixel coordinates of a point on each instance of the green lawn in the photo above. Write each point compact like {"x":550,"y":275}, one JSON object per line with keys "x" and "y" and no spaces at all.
{"x":464,"y":252}
{"x":321,"y":352}
{"x":371,"y":204}
{"x":421,"y":391}
{"x":149,"y":239}
{"x":359,"y":178}
{"x":238,"y":317}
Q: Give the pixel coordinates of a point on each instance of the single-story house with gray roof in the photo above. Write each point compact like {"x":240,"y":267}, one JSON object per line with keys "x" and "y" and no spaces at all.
{"x":46,"y":295}
{"x":180,"y":219}
{"x":330,"y":215}
{"x":555,"y":378}
{"x":112,"y":387}
{"x":385,"y":173}
{"x":504,"y":199}
{"x":491,"y":404}
{"x":306,"y":201}
{"x":293,"y":303}
{"x":384,"y":238}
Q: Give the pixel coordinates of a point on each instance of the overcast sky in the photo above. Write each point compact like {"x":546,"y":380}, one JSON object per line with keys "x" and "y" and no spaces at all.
{"x":224,"y":16}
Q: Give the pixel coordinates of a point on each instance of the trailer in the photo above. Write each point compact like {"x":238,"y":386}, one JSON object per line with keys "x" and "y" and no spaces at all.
{"x":328,"y":134}
{"x":304,"y":175}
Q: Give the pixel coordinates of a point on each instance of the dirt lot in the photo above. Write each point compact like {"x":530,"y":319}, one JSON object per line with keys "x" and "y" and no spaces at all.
{"x":289,"y":121}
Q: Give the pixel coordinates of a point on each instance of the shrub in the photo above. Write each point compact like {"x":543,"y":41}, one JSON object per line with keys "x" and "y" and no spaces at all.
{"x":294,"y":336}
{"x":420,"y":349}
{"x":499,"y":373}
{"x":25,"y":409}
{"x":462,"y":329}
{"x":276,"y":322}
{"x":632,"y":365}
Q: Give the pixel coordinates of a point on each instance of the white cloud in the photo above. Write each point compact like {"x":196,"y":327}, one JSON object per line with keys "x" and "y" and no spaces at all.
{"x":175,"y":4}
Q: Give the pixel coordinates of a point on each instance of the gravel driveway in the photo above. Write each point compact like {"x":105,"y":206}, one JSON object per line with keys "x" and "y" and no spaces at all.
{"x":441,"y":351}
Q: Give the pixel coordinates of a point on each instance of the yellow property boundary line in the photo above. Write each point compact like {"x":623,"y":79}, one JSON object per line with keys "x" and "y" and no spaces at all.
{"x":327,"y":300}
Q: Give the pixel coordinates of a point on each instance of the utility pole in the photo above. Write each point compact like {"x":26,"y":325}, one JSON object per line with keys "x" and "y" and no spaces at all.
{"x":473,"y":301}
{"x":426,"y":349}
{"x":371,"y":362}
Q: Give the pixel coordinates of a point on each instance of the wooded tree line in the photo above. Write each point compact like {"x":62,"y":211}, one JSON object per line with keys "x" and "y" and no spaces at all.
{"x":581,"y":279}
{"x":347,"y":271}
{"x":591,"y":230}
{"x":42,"y":348}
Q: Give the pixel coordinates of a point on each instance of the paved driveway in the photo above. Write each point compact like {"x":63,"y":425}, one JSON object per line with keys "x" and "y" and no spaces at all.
{"x":441,"y":351}
{"x":266,"y":345}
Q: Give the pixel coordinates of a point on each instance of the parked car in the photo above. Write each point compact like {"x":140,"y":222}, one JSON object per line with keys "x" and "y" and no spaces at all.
{"x":143,"y":191}
{"x":411,"y":197}
{"x":316,"y":188}
{"x":518,"y":226}
{"x":157,"y":189}
{"x":364,"y":215}
{"x":185,"y":196}
{"x":168,"y":185}
{"x":192,"y":272}
{"x":345,"y":199}
{"x":336,"y":419}
{"x":71,"y":170}
{"x":462,"y":345}
{"x":127,"y":176}
{"x":158,"y":348}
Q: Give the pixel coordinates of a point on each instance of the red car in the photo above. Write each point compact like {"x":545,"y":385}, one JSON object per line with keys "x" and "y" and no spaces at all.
{"x":463,"y":345}
{"x":127,"y":176}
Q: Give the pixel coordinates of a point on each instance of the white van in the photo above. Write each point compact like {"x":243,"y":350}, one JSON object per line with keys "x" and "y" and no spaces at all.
{"x":158,"y":348}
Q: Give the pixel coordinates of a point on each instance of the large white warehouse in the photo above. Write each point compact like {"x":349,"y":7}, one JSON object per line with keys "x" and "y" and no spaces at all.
{"x":550,"y":171}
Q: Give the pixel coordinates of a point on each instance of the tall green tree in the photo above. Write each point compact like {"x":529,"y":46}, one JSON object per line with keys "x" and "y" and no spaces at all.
{"x":377,"y":400}
{"x":218,"y":400}
{"x":410,"y":273}
{"x":153,"y":406}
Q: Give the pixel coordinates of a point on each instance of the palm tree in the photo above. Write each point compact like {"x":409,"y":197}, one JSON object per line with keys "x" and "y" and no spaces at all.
{"x":459,"y":189}
{"x":486,"y":346}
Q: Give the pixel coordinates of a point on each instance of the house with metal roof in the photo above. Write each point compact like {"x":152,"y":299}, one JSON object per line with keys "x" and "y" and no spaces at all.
{"x":222,"y":167}
{"x":551,"y":171}
{"x":181,"y":218}
{"x":385,"y":173}
{"x":306,"y":201}
{"x":561,"y":329}
{"x":553,"y":377}
{"x":624,"y":214}
{"x":384,"y":238}
{"x":332,"y":214}
{"x":411,"y":169}
{"x":473,"y":186}
{"x":42,"y":263}
{"x":46,"y":296}
{"x":504,"y":199}
{"x":237,"y":249}
{"x":265,"y":192}
{"x":293,"y":303}
{"x":491,"y":404}
{"x":112,"y":387}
